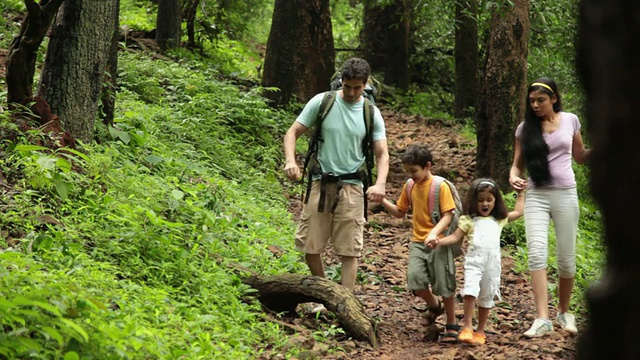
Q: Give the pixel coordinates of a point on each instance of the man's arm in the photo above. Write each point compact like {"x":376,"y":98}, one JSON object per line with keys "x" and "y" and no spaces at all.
{"x":376,"y":192}
{"x":291,"y":168}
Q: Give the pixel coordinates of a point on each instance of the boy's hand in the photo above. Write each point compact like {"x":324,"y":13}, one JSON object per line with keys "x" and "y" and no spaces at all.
{"x":432,"y":243}
{"x":376,"y":192}
{"x":431,"y":238}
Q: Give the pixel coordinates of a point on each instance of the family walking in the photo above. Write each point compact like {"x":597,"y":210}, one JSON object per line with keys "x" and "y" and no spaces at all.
{"x":351,"y":133}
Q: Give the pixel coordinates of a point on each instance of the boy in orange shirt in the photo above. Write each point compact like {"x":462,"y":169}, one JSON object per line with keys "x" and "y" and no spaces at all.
{"x":430,"y":273}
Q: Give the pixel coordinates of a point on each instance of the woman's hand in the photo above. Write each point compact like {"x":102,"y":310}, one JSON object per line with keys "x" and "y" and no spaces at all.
{"x":517,"y":183}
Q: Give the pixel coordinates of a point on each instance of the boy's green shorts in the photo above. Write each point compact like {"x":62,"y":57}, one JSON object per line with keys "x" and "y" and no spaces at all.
{"x":431,"y":267}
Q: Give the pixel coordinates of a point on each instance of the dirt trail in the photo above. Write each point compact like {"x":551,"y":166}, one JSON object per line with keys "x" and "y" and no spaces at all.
{"x":398,"y":312}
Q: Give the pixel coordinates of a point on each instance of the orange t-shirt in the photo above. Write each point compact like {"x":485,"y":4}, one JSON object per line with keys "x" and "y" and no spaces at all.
{"x":421,"y":222}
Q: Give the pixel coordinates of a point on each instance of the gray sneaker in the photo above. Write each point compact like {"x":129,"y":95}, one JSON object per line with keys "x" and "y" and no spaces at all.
{"x":567,"y":322}
{"x":540,"y":327}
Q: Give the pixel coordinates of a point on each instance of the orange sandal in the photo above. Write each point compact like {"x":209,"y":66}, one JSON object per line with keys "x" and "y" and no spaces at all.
{"x":466,"y":335}
{"x":479,"y":339}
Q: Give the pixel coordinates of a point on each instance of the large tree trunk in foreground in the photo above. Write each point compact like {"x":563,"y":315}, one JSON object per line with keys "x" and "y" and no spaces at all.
{"x":285,"y":292}
{"x":300,"y":54}
{"x":608,"y":56}
{"x":502,"y":90}
{"x":75,"y":64}
{"x":23,"y":51}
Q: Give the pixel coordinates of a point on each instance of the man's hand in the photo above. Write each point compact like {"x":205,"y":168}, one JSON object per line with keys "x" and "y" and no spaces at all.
{"x":432,"y":243}
{"x":376,"y":192}
{"x":292,"y":171}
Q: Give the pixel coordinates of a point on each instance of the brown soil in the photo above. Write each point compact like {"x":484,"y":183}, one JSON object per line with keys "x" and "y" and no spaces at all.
{"x":384,"y":264}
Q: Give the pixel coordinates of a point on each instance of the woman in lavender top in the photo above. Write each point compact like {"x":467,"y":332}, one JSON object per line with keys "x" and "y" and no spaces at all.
{"x":545,"y":143}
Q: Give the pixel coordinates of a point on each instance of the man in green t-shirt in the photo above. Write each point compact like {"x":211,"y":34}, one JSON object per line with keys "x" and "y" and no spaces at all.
{"x":340,"y":155}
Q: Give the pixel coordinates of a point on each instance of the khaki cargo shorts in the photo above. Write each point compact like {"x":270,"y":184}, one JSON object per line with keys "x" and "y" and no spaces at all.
{"x":344,"y":226}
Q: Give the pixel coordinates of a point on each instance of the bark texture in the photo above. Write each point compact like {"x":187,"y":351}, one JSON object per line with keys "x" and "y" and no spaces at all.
{"x":502,"y":90}
{"x":75,"y":63}
{"x":168,"y":24}
{"x":23,"y":51}
{"x":285,"y":292}
{"x":608,"y":52}
{"x":466,"y":58}
{"x":108,"y":98}
{"x":385,"y":40}
{"x":300,"y":54}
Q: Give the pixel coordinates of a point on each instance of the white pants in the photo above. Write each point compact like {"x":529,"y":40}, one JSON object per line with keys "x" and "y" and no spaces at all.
{"x":482,"y":276}
{"x":561,"y":205}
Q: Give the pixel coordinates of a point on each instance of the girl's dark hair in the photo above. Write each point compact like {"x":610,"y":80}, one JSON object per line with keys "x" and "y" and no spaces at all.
{"x":470,"y":207}
{"x":355,"y":68}
{"x":534,"y":149}
{"x":417,"y":155}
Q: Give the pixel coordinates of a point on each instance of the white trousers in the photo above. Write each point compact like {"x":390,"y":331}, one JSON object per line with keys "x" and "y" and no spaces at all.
{"x":561,"y":206}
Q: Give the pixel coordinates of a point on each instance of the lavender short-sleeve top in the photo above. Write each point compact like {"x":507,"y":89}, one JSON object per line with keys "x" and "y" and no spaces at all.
{"x":560,"y":144}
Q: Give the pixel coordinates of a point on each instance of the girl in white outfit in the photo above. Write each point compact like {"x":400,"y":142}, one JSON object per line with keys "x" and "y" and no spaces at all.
{"x":485,"y":214}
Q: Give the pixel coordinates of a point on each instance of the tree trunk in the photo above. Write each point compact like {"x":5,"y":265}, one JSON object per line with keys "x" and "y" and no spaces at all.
{"x":168,"y":24}
{"x":373,"y":37}
{"x":608,"y":52}
{"x":502,"y":90}
{"x":466,"y":58}
{"x":190,"y":11}
{"x":108,"y":97}
{"x":300,"y":55}
{"x":397,"y":34}
{"x":23,"y":51}
{"x":284,"y":292}
{"x":75,"y":63}
{"x":385,"y":40}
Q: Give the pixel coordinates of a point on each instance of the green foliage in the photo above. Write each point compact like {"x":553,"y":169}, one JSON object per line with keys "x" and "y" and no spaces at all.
{"x":346,"y":22}
{"x":132,"y":258}
{"x":138,"y":14}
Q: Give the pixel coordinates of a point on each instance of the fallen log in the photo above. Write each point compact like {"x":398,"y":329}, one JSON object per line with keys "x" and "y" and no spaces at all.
{"x":284,"y":292}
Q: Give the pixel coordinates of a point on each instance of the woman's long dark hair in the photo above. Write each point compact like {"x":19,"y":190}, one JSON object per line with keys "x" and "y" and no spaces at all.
{"x":534,"y":149}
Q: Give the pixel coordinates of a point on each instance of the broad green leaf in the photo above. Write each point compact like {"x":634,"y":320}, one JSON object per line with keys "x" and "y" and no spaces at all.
{"x":26,"y":147}
{"x":53,"y":333}
{"x":71,"y":355}
{"x":76,"y":327}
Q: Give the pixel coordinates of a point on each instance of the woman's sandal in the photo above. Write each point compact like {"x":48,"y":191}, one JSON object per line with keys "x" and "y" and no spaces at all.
{"x":429,"y":317}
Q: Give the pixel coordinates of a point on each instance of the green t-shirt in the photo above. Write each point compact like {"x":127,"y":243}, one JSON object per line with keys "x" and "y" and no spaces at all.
{"x":343,"y":130}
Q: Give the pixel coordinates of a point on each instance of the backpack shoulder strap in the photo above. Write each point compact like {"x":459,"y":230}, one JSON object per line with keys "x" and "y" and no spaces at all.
{"x":367,"y":142}
{"x":408,"y":188}
{"x":434,"y":198}
{"x":327,"y":102}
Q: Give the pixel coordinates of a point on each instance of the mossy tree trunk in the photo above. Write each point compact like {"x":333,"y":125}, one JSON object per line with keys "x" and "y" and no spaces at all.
{"x":502,"y":90}
{"x":300,"y":56}
{"x":608,"y":53}
{"x":76,"y":61}
{"x":284,"y":292}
